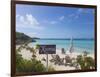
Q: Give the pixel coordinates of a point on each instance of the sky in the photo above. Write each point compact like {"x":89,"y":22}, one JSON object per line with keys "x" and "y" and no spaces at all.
{"x":54,"y":21}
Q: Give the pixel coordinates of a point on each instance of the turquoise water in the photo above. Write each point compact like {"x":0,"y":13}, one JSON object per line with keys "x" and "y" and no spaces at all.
{"x":79,"y":45}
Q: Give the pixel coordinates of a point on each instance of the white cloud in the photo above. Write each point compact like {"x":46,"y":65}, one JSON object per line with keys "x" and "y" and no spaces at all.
{"x":27,"y":21}
{"x":31,"y":34}
{"x":17,"y":16}
{"x":54,"y":21}
{"x":76,"y":14}
{"x":71,"y":17}
{"x":32,"y":20}
{"x":22,"y":20}
{"x":61,"y":18}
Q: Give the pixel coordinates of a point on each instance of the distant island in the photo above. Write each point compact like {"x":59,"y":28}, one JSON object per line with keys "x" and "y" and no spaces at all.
{"x":22,"y":38}
{"x":35,"y":38}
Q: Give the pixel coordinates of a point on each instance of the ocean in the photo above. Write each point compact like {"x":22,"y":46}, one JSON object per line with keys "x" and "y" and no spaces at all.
{"x":79,"y":45}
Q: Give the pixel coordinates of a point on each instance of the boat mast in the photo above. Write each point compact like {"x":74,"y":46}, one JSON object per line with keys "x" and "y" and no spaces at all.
{"x":71,"y":46}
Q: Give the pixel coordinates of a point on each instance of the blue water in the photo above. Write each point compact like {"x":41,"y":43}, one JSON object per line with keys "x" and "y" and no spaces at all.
{"x":79,"y":45}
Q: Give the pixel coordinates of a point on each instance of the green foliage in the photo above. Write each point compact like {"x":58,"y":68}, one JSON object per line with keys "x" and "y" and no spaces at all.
{"x":38,"y":66}
{"x":85,"y":62}
{"x":37,"y":46}
{"x":90,"y":62}
{"x":18,"y":58}
{"x":81,"y":61}
{"x":32,"y":50}
{"x":19,"y":62}
{"x":22,"y":38}
{"x":33,"y":65}
{"x":23,"y":65}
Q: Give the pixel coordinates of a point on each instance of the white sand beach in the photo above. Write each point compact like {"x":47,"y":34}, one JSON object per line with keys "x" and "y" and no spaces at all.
{"x":26,"y":54}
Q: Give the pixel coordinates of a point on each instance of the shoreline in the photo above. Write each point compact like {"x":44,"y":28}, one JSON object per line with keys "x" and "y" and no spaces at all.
{"x":26,"y":54}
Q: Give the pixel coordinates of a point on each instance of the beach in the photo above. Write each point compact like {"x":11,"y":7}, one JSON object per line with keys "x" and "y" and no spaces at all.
{"x":26,"y":54}
{"x":54,"y":39}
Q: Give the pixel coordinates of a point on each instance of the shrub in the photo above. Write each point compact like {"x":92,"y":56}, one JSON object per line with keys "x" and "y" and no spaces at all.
{"x":37,"y":46}
{"x":90,"y":62}
{"x":23,"y":65}
{"x":50,"y":68}
{"x":85,"y":62}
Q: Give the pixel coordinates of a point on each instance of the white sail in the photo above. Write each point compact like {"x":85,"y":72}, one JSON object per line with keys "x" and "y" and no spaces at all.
{"x":71,"y":49}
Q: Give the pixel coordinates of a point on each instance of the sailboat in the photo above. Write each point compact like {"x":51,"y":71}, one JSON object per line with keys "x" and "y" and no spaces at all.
{"x":71,"y":49}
